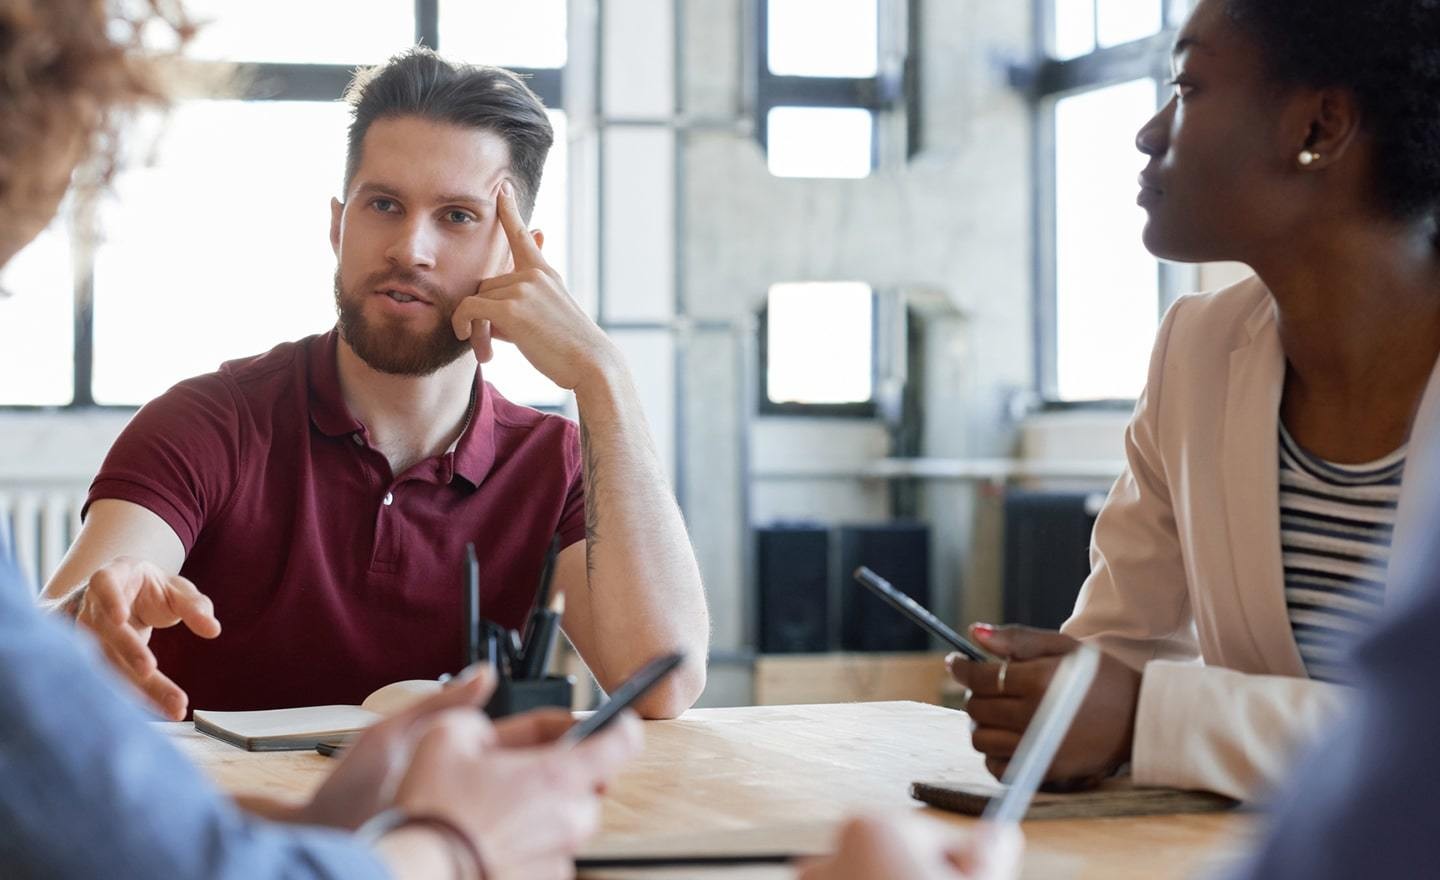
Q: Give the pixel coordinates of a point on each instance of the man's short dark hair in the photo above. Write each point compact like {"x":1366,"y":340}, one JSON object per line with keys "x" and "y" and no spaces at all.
{"x":421,"y":84}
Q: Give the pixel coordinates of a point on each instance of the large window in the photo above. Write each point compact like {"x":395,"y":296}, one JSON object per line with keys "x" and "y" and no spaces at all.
{"x":833,"y":78}
{"x":1101,"y":294}
{"x":214,"y":243}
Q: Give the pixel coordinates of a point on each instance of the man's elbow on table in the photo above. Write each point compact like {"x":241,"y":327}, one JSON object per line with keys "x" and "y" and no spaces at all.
{"x":678,"y":692}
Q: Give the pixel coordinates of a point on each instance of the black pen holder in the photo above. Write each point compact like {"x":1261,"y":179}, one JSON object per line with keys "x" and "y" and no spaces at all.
{"x":514,"y":697}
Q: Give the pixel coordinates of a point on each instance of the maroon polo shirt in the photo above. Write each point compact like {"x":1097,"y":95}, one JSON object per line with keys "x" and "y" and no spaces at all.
{"x":331,"y":576}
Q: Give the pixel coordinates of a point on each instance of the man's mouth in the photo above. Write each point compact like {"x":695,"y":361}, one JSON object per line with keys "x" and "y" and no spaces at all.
{"x":403,"y":295}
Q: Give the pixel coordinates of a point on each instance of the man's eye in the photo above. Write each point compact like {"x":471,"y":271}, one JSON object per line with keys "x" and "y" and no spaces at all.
{"x":458,"y":216}
{"x":385,"y":206}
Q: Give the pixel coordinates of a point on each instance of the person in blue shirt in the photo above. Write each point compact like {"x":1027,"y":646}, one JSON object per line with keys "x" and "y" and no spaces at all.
{"x":87,"y":787}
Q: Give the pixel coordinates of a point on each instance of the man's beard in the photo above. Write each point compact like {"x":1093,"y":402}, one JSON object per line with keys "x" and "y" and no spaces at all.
{"x":385,"y":345}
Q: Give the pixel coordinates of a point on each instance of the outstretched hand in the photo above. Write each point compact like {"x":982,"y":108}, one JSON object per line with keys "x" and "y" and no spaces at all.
{"x":122,"y":604}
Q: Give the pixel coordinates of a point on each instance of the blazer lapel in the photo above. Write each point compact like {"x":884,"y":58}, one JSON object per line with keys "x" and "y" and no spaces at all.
{"x":1251,"y":469}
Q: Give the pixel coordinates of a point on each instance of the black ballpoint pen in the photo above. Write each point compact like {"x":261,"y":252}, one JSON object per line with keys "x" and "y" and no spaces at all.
{"x":540,"y":629}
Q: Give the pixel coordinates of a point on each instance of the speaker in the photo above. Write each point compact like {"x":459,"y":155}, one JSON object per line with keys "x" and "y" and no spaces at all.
{"x":794,"y":582}
{"x":1047,"y":553}
{"x":900,"y":553}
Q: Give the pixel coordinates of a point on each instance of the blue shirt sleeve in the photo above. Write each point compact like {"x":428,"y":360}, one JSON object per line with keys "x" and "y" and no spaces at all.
{"x":88,"y":789}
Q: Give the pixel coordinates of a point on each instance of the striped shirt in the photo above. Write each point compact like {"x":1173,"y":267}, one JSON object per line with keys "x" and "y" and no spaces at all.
{"x":1336,"y":521}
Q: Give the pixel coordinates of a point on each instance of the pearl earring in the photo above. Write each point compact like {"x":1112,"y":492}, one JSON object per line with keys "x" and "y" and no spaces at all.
{"x":1308,"y":157}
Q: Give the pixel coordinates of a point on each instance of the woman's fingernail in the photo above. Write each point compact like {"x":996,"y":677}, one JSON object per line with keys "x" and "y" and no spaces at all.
{"x":983,"y":630}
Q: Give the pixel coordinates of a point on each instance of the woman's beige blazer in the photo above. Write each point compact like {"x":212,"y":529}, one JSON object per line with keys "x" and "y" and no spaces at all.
{"x":1186,"y":579}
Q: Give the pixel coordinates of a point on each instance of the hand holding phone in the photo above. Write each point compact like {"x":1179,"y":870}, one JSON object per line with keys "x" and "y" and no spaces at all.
{"x":1044,"y":734}
{"x":635,"y":687}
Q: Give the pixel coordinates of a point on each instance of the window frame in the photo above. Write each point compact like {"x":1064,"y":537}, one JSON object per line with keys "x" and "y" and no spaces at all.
{"x":888,"y":90}
{"x":1045,"y":82}
{"x":266,"y":81}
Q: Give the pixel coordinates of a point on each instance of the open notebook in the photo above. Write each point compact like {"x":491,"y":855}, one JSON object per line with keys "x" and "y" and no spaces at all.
{"x":277,"y":730}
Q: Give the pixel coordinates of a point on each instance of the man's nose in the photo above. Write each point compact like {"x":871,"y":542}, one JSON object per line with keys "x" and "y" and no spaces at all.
{"x":413,"y":246}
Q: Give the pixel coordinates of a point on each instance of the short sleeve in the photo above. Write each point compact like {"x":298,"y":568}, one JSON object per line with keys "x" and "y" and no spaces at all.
{"x":179,"y":458}
{"x":572,"y":515}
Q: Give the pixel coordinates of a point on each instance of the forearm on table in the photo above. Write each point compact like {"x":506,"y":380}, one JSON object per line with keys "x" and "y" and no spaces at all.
{"x":1206,"y":727}
{"x":645,"y":594}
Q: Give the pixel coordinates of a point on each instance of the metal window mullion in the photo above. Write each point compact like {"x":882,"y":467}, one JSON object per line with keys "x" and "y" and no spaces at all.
{"x":910,"y":85}
{"x":427,"y":23}
{"x":1046,"y":273}
{"x":1115,"y":64}
{"x":818,"y":91}
{"x":275,"y":81}
{"x":84,"y":336}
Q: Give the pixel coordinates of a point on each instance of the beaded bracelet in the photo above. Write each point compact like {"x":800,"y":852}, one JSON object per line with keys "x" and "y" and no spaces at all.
{"x":393,"y":819}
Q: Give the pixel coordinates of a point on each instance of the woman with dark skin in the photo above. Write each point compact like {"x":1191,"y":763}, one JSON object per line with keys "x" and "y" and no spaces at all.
{"x":1302,"y":139}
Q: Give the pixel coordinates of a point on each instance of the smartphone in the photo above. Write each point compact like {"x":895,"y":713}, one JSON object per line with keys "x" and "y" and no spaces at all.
{"x":918,"y":614}
{"x":1044,"y":734}
{"x":635,"y":687}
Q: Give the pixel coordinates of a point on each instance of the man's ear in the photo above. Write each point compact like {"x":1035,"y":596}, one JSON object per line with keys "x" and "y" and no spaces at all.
{"x":539,"y":237}
{"x":337,"y":210}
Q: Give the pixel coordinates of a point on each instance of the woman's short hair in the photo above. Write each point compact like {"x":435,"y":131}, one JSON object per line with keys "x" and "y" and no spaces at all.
{"x":1387,"y":52}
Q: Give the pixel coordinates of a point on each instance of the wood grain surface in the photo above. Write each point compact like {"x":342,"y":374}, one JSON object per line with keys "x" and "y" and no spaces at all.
{"x":760,"y":779}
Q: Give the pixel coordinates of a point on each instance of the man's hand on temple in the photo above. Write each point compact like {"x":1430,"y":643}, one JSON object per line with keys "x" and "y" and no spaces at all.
{"x":531,"y":308}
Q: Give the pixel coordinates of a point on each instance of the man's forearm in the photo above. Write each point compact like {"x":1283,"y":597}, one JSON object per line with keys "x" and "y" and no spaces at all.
{"x":645,"y":591}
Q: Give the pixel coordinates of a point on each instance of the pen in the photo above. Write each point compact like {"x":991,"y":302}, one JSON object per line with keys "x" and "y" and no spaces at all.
{"x":540,"y":630}
{"x":472,"y":606}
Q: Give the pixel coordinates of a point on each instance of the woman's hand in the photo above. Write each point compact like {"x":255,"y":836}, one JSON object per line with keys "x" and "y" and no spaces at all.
{"x":1004,"y":697}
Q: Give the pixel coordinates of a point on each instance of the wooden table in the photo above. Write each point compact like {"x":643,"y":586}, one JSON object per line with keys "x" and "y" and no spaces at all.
{"x":781,"y":777}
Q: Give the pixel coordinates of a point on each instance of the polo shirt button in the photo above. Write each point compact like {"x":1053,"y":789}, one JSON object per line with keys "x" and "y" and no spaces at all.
{"x":357,"y":439}
{"x":389,"y":498}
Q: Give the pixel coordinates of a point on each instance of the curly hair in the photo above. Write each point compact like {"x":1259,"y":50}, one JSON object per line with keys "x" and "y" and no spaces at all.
{"x":70,"y":72}
{"x":1387,"y":52}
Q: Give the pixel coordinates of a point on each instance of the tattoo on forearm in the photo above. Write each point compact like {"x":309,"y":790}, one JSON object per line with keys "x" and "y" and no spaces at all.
{"x":592,"y":494}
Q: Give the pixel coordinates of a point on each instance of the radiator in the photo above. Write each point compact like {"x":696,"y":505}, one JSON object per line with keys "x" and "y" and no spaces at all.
{"x":1047,"y":553}
{"x":42,"y":521}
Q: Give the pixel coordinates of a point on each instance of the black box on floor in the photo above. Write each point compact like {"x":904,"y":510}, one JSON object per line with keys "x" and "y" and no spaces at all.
{"x":1047,"y":553}
{"x":794,"y":588}
{"x":898,"y":552}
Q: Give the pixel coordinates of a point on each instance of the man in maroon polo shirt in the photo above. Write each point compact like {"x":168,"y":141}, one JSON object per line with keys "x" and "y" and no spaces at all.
{"x":304,"y":512}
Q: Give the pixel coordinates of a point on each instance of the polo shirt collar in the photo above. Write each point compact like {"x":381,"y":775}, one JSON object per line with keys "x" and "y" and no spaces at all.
{"x":469,"y":458}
